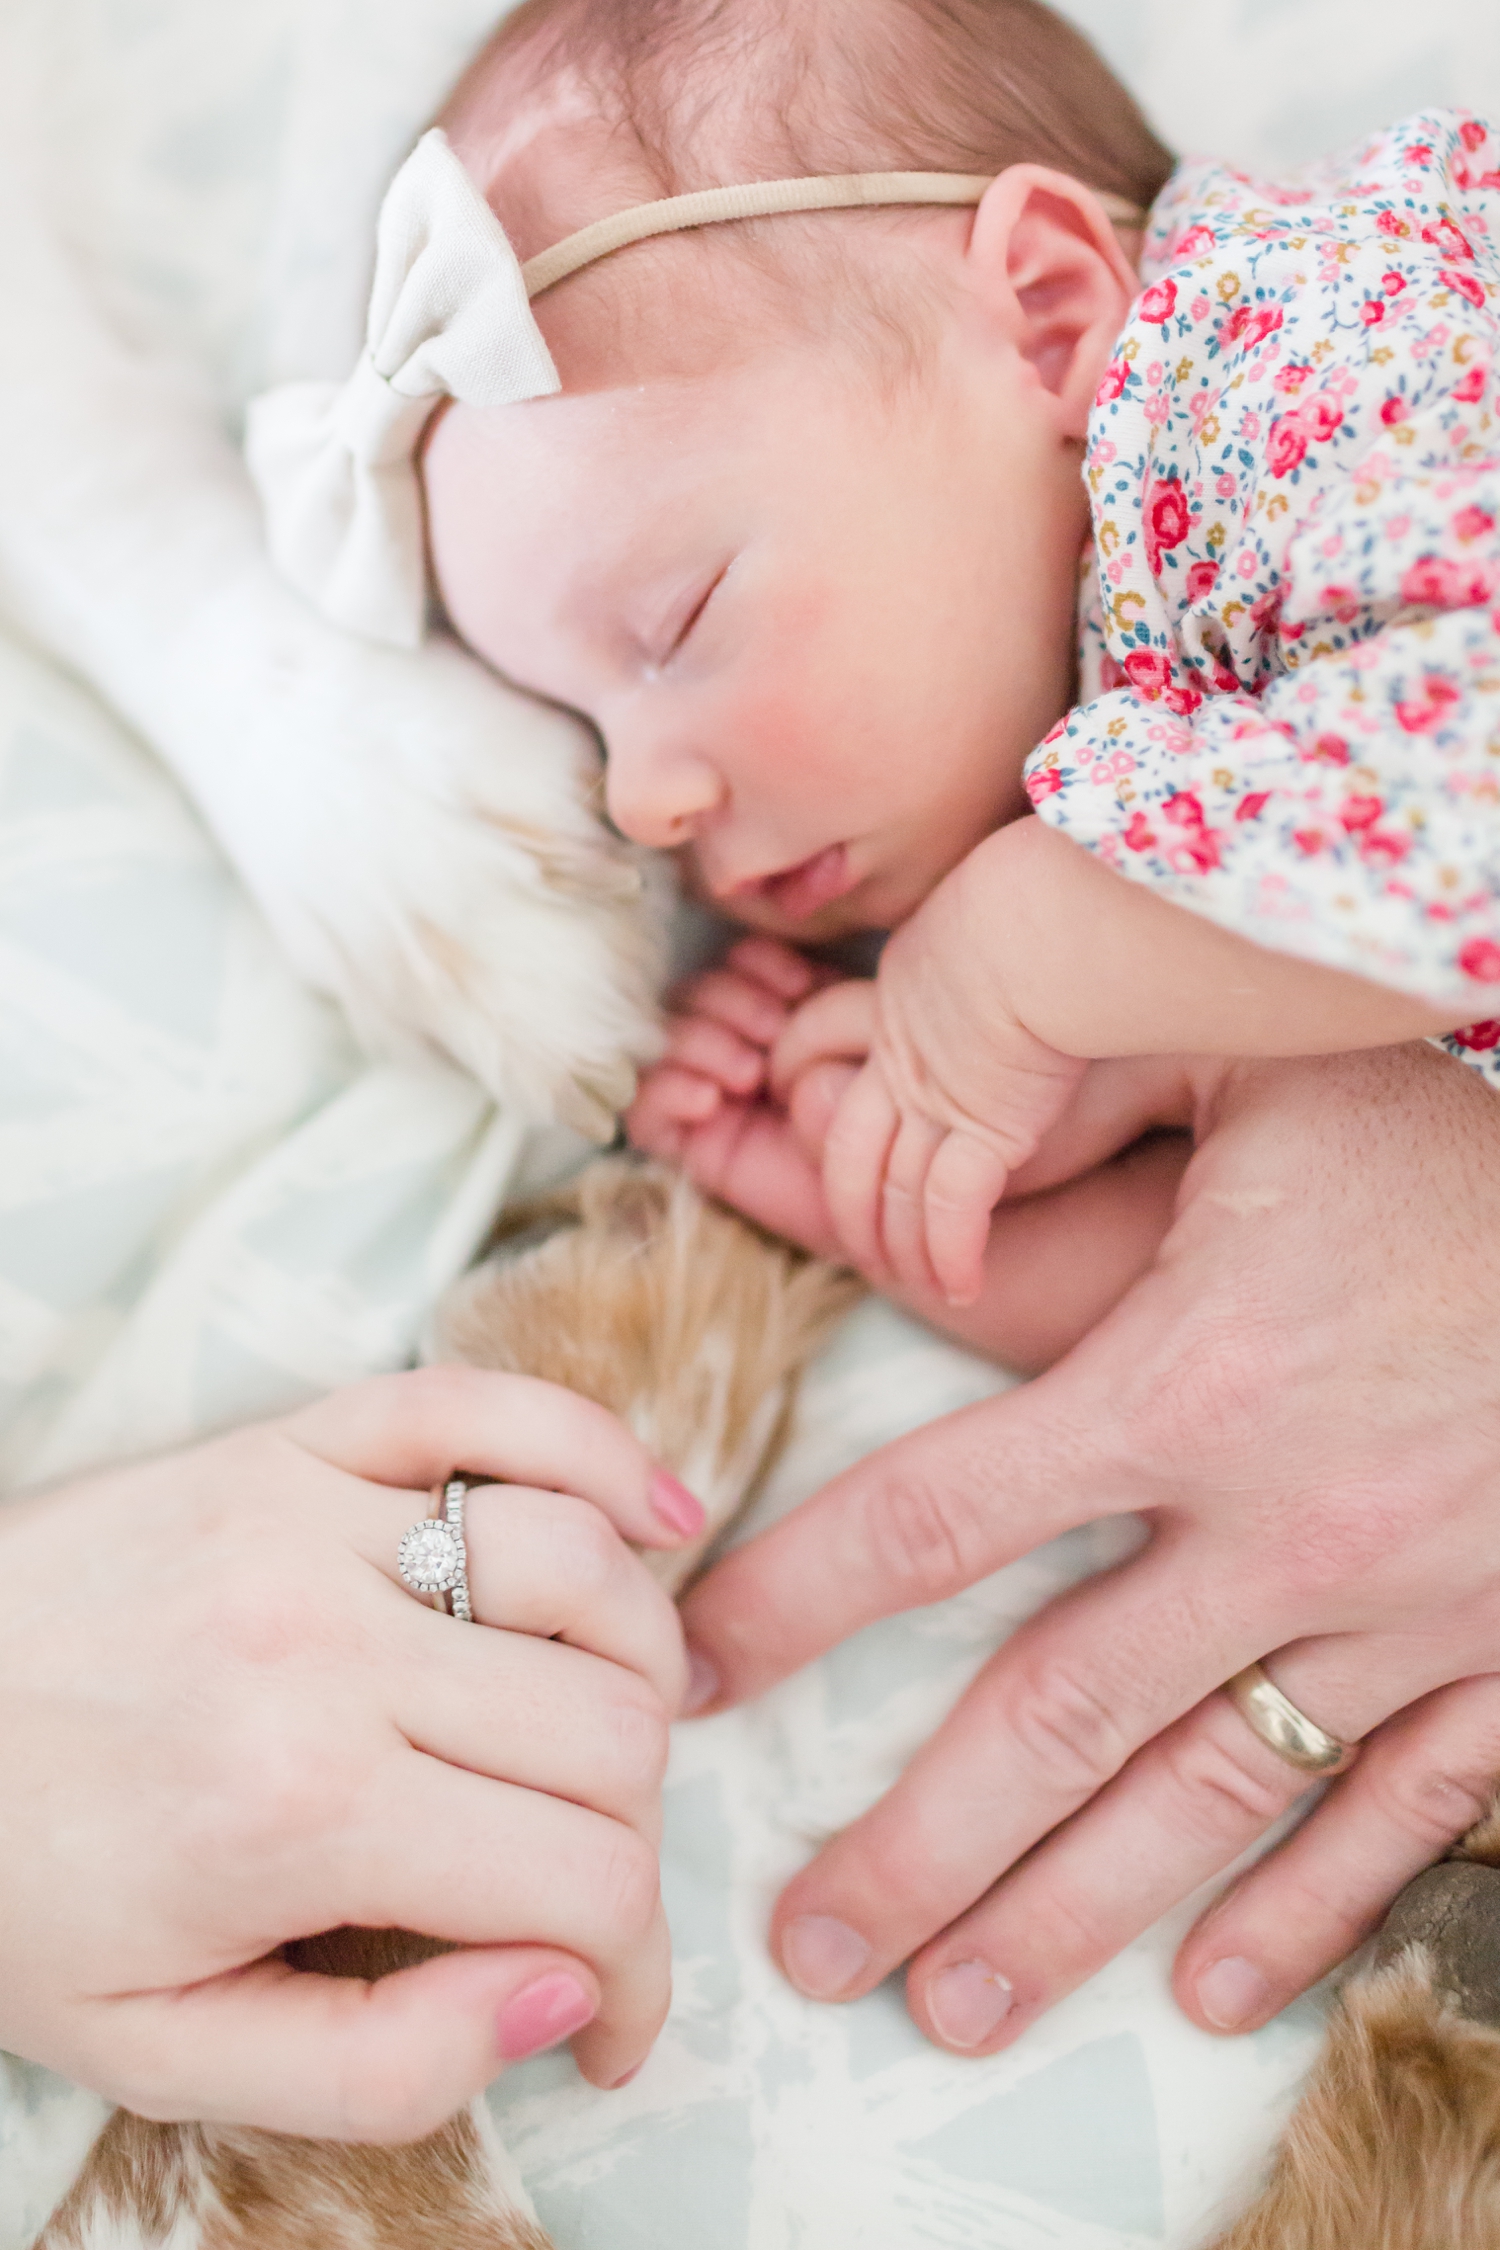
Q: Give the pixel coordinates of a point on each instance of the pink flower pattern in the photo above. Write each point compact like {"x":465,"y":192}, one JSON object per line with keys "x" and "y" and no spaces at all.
{"x":1290,"y":639}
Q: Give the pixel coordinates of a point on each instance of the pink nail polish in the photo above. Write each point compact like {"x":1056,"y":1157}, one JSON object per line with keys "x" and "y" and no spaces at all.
{"x":541,"y":2014}
{"x":676,"y":1507}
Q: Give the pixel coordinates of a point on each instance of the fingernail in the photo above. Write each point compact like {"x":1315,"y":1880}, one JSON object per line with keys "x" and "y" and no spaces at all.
{"x":821,"y":1956}
{"x":966,"y":2002}
{"x":543,"y":2013}
{"x":1233,"y":1992}
{"x":675,"y":1505}
{"x":704,"y":1684}
{"x":629,"y":2075}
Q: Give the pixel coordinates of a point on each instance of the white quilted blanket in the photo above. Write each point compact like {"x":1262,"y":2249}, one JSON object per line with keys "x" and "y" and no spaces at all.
{"x":210,"y":1205}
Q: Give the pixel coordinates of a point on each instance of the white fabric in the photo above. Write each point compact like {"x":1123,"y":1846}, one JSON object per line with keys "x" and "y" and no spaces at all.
{"x":216,"y":170}
{"x":336,"y":464}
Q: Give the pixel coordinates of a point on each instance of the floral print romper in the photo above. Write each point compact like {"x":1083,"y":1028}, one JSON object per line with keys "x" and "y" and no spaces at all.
{"x":1290,"y":635}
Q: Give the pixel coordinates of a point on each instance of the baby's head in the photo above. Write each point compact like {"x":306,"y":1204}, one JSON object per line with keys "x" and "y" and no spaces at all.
{"x":801,"y":533}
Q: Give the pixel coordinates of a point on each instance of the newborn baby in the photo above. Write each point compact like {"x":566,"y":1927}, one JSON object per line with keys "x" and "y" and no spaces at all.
{"x":800,"y":531}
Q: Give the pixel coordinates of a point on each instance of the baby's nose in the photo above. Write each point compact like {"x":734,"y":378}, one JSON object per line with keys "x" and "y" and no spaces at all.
{"x":658,"y":796}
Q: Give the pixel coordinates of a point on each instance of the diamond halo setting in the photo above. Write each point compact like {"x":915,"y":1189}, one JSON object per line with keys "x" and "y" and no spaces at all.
{"x":430,"y":1558}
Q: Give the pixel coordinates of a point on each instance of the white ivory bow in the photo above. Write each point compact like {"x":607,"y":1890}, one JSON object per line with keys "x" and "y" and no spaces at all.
{"x":336,"y":464}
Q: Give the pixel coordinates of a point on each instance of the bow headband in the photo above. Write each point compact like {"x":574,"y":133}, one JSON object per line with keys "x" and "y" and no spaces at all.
{"x":450,"y":317}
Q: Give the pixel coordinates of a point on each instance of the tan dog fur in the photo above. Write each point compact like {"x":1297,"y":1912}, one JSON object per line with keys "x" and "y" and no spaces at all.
{"x":693,"y":1327}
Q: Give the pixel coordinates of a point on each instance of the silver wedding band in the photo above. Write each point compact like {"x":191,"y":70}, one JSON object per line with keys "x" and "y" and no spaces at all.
{"x":433,"y":1558}
{"x":1282,"y":1727}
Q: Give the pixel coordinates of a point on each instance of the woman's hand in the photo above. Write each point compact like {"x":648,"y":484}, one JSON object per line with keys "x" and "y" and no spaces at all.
{"x":225,"y":1723}
{"x":1302,"y":1398}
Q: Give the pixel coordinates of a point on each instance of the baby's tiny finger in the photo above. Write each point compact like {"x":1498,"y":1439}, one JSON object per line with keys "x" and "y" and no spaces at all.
{"x":855,"y":1156}
{"x":670,"y":1104}
{"x":739,"y":1003}
{"x":965,"y":1181}
{"x":838,"y":1022}
{"x":696,"y":1044}
{"x":782,"y":970}
{"x":903,"y":1204}
{"x":813,"y":1100}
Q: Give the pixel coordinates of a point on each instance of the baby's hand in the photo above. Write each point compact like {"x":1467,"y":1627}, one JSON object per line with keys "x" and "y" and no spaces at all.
{"x":707,"y":1105}
{"x":953,"y":1095}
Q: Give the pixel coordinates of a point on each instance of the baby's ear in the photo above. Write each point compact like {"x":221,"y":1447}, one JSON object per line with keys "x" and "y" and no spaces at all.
{"x":1046,"y":263}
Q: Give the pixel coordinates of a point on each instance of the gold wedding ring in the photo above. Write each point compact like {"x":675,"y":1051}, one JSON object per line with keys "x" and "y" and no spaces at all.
{"x":1281,"y":1726}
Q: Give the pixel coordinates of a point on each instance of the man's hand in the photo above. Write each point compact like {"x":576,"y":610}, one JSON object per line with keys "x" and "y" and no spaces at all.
{"x":1301,"y":1396}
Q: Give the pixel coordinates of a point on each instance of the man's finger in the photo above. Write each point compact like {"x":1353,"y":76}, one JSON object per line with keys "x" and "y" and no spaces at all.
{"x":1188,"y":1804}
{"x":918,"y":1521}
{"x":1428,"y":1775}
{"x":1049,"y":1723}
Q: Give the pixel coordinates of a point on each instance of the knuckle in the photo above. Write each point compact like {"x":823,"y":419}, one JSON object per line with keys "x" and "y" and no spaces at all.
{"x":1427,"y":1799}
{"x":589,"y":1551}
{"x":922,"y":1537}
{"x":1067,"y":1728}
{"x":641,"y":1742}
{"x":629,"y":1883}
{"x":1217,"y":1797}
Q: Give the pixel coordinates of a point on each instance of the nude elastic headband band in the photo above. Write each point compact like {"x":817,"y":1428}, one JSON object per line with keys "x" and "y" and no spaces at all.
{"x":848,"y":191}
{"x":450,"y":317}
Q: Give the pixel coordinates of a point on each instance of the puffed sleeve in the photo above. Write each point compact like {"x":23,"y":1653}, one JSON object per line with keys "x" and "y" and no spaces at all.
{"x":1349,"y":811}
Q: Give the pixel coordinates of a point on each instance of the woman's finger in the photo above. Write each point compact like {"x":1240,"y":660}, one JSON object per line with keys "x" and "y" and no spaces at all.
{"x":476,"y":1862}
{"x":856,"y":1156}
{"x":334,"y":2058}
{"x":420,"y":1429}
{"x":540,"y":1715}
{"x":837,"y":1025}
{"x":546,"y":1564}
{"x":1423,"y":1779}
{"x":1050,"y":1721}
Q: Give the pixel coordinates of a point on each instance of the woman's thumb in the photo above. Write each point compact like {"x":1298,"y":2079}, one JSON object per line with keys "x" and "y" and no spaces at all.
{"x":338,"y":2058}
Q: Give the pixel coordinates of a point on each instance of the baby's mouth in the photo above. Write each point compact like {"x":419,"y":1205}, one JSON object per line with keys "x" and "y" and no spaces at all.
{"x":798,"y":892}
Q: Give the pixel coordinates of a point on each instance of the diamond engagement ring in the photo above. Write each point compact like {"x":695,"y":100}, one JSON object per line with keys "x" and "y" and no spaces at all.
{"x":432,"y":1558}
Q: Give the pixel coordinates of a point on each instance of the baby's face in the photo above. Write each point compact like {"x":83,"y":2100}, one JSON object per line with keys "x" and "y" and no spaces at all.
{"x":818,"y":629}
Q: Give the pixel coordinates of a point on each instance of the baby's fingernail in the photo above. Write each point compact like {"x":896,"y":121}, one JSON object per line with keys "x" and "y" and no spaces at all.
{"x":1233,"y":1993}
{"x":821,"y":1956}
{"x":704,"y":1684}
{"x":967,"y":2001}
{"x":542,"y":2014}
{"x":675,"y":1505}
{"x":629,"y":2075}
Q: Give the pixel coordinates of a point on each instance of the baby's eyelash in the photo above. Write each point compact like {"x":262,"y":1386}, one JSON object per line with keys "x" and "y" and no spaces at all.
{"x":696,"y":613}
